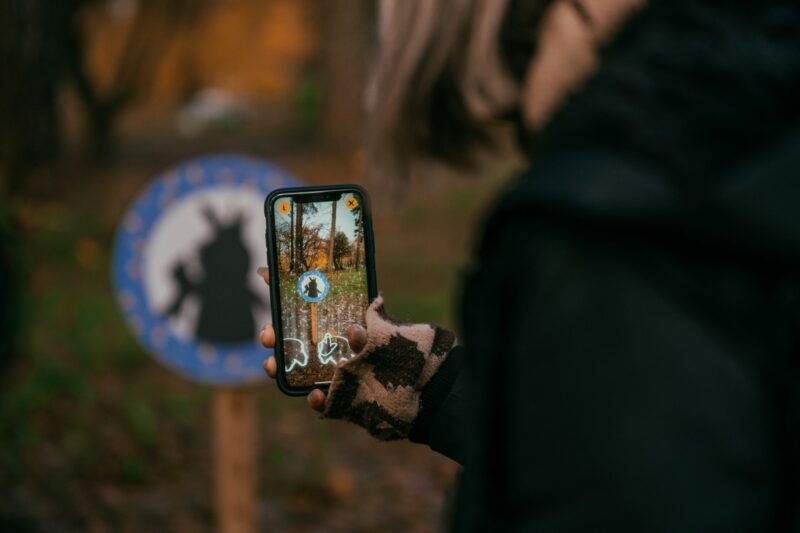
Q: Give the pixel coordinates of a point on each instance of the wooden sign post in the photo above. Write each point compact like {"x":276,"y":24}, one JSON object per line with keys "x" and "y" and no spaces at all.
{"x":313,"y":286}
{"x":235,"y":460}
{"x":313,"y":323}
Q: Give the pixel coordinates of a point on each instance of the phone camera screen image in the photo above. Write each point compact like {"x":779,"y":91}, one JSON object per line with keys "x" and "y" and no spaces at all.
{"x":322,"y":272}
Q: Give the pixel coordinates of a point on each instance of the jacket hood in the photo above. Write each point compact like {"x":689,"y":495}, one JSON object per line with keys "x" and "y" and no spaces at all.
{"x":754,"y":212}
{"x":690,"y":128}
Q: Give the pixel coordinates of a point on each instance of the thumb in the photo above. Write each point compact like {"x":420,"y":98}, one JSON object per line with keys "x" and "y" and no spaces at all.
{"x":356,"y":337}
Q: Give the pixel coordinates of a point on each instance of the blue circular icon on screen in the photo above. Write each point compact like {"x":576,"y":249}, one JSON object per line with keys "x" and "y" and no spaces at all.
{"x":313,"y":286}
{"x":184,"y":267}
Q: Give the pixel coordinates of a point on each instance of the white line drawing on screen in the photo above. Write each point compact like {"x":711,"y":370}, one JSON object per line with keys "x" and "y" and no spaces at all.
{"x":327,"y":349}
{"x":297,"y":360}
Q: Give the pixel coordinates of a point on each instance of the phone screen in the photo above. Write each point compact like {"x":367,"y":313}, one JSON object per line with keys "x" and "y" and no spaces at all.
{"x":323,"y":282}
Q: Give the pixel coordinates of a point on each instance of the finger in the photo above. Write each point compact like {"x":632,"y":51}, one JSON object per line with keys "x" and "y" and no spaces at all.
{"x":316,"y":400}
{"x":264,"y":273}
{"x":268,"y":336}
{"x":271,"y":367}
{"x":357,"y":337}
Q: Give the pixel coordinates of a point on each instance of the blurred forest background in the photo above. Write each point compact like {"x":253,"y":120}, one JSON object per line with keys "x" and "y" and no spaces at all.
{"x":96,"y":98}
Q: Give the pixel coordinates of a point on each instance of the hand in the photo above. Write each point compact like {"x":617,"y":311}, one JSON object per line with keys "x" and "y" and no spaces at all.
{"x":380,"y":388}
{"x":356,"y":336}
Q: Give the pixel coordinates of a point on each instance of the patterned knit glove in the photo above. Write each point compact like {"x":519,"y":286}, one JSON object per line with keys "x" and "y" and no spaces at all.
{"x":379,"y":389}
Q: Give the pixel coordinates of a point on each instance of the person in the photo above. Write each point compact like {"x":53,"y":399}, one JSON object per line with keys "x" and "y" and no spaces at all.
{"x":646,"y":377}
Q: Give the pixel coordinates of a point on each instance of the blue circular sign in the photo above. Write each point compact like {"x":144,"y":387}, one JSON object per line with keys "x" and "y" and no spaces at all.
{"x":313,"y":286}
{"x":184,"y":267}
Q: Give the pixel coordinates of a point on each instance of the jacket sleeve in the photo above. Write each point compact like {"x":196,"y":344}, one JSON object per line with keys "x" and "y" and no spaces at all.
{"x":607,"y":398}
{"x":440,"y":422}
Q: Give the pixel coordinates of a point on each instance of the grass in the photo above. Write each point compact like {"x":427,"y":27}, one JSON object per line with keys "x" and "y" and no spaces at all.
{"x":74,"y":350}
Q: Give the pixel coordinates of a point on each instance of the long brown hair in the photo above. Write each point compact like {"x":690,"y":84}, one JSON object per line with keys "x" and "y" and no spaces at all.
{"x":441,"y":79}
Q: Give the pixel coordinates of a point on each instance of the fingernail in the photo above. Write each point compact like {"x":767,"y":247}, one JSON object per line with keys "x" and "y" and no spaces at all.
{"x":354,"y":329}
{"x":262,"y":270}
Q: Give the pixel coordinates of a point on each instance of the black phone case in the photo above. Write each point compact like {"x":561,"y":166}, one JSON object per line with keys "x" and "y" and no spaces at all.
{"x":274,"y":282}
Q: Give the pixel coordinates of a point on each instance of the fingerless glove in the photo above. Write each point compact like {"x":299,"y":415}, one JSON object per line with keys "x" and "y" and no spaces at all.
{"x":380,"y":388}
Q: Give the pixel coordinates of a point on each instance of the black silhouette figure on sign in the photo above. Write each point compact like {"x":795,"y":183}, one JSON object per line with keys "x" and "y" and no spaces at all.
{"x":226,"y":300}
{"x":311,"y":289}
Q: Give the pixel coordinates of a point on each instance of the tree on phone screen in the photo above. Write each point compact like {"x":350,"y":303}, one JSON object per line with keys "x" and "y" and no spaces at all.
{"x":357,"y":234}
{"x":342,"y":250}
{"x":331,"y":262}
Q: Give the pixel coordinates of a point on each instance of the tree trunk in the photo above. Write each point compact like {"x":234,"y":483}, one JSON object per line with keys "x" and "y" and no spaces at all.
{"x":31,"y":52}
{"x":345,"y":57}
{"x":298,"y":239}
{"x":358,"y":247}
{"x":291,"y":239}
{"x":331,"y":266}
{"x":102,"y":132}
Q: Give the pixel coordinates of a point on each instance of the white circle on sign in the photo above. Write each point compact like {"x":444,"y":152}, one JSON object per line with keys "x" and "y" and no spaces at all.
{"x":313,"y":286}
{"x":172,"y":271}
{"x":181,"y":233}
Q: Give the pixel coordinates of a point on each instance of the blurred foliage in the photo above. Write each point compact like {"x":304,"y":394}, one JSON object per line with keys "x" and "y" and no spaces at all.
{"x":76,"y":407}
{"x":149,"y":29}
{"x":69,"y":320}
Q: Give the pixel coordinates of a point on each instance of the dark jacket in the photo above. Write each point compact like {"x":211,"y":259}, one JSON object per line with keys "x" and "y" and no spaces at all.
{"x":631,"y":355}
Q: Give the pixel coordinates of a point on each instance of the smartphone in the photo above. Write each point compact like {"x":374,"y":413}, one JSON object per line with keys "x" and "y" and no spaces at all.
{"x":320,"y":251}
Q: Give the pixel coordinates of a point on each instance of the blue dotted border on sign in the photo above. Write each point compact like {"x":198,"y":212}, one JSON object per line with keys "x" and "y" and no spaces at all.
{"x":228,"y":365}
{"x":307,"y":274}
